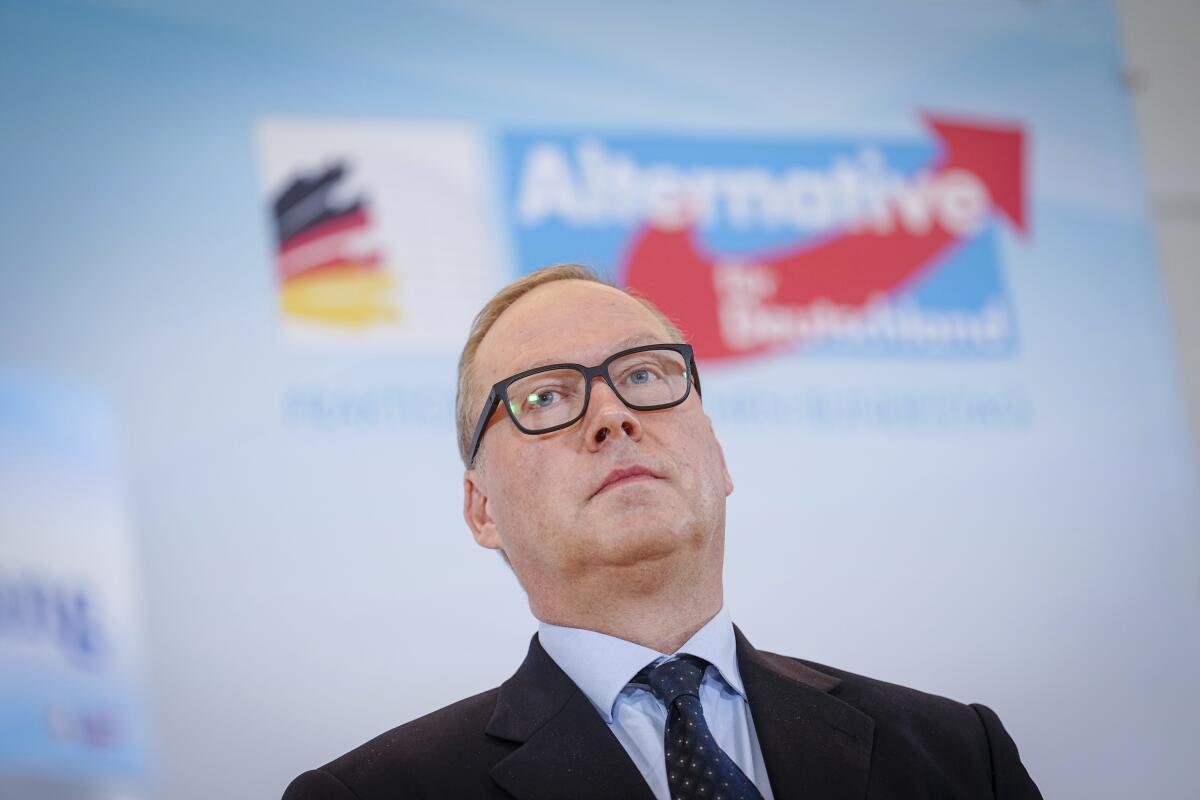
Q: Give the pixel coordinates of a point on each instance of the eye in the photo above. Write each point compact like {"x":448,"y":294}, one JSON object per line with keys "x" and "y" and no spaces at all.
{"x":539,"y":399}
{"x":641,"y":375}
{"x":542,"y":399}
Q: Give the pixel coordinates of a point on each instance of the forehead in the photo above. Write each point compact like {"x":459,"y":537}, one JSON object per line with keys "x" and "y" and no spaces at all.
{"x":570,"y":320}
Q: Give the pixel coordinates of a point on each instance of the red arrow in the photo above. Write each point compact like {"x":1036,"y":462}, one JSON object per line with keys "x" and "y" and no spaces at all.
{"x":978,"y":169}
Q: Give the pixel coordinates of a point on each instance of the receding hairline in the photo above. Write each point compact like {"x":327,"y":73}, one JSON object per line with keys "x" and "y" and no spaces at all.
{"x":615,"y":291}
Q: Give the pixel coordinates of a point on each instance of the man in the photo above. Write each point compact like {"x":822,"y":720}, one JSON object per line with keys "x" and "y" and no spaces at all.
{"x":592,"y":467}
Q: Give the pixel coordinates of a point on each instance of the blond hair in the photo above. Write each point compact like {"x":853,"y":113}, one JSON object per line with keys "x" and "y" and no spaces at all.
{"x":465,"y":405}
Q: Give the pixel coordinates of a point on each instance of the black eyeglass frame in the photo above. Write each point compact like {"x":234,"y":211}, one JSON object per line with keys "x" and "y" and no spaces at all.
{"x":499,"y":392}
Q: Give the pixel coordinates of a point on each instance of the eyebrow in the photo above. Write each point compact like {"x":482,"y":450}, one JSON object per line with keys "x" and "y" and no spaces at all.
{"x":624,"y":344}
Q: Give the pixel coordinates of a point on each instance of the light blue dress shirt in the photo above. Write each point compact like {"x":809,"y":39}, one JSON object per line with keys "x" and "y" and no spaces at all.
{"x":602,"y":665}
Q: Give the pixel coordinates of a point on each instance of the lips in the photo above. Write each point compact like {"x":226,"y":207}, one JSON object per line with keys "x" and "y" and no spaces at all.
{"x":624,"y":475}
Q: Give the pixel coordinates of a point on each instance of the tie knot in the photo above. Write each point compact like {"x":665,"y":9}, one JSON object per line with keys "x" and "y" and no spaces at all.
{"x":675,"y":678}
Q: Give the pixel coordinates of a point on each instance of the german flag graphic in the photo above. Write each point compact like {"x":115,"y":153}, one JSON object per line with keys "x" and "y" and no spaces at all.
{"x":329,"y":272}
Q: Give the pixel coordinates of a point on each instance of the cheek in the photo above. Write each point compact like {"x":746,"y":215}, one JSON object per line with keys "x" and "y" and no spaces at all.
{"x":709,"y":470}
{"x":528,"y":486}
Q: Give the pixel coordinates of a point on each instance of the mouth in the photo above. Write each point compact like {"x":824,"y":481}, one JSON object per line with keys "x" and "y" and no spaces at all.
{"x":624,"y":476}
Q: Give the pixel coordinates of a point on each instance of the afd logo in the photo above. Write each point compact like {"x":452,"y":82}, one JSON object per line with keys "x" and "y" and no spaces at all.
{"x":330,"y":271}
{"x":755,"y":246}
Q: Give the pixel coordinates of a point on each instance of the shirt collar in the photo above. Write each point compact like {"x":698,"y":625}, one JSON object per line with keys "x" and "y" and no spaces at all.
{"x":601,"y":665}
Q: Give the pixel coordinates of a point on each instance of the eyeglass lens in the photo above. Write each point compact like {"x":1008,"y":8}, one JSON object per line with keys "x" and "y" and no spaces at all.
{"x":648,"y":378}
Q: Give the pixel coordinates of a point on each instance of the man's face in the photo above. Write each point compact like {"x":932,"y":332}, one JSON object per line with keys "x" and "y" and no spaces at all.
{"x":550,"y":500}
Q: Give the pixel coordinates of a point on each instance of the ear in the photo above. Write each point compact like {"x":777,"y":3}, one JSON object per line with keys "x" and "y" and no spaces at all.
{"x":721,"y":453}
{"x":476,"y":511}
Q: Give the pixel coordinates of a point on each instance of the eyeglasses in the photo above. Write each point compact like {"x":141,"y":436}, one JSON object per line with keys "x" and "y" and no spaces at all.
{"x":545,"y":399}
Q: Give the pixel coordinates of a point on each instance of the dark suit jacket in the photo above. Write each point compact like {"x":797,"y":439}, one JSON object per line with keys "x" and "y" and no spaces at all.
{"x":825,"y":735}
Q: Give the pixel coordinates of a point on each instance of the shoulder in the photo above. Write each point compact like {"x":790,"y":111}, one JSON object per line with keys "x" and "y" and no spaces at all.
{"x":444,"y":753}
{"x":910,"y":718}
{"x":918,"y":734}
{"x":891,"y":702}
{"x":883,"y":701}
{"x":922,"y":740}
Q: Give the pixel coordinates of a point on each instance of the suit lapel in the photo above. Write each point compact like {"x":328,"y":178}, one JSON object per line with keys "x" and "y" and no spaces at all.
{"x":566,"y":749}
{"x":813,"y":744}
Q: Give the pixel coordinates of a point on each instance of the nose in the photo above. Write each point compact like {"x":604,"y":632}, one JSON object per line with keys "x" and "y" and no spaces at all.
{"x":607,"y":416}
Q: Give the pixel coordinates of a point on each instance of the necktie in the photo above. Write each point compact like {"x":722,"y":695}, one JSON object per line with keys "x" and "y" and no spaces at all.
{"x":697,"y":768}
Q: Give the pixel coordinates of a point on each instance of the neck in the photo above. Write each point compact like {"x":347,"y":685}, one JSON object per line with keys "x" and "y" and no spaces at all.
{"x":636,"y":603}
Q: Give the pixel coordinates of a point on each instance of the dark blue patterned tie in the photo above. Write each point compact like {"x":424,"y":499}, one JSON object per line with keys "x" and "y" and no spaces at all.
{"x":697,"y":768}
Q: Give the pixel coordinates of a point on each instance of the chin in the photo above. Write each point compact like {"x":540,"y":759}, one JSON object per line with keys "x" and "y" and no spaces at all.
{"x":627,"y":542}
